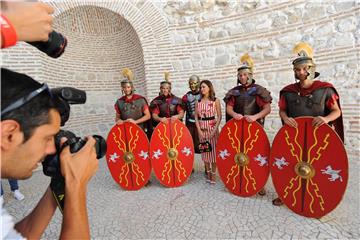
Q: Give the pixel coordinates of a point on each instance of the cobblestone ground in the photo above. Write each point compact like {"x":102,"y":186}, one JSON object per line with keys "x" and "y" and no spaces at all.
{"x":195,"y":210}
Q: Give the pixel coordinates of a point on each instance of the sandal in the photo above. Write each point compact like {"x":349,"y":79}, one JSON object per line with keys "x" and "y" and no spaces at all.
{"x":277,"y":202}
{"x":262,"y":192}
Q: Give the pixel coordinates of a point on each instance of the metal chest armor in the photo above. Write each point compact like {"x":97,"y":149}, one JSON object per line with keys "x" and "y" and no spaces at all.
{"x":190,"y":106}
{"x":132,"y":109}
{"x":245,"y":101}
{"x":164,"y":107}
{"x":310,"y":105}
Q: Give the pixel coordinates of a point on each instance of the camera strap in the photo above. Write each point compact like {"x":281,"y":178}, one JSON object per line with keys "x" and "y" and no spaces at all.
{"x":57,"y":186}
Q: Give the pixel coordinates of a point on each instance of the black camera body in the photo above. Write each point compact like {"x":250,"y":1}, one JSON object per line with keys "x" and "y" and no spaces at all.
{"x":51,"y":164}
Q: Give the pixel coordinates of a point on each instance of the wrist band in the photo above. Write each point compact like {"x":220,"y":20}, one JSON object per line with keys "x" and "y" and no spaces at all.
{"x":8,"y":33}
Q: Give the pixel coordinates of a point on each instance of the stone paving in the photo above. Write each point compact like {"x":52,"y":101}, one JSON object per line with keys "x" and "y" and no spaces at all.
{"x":196,"y":210}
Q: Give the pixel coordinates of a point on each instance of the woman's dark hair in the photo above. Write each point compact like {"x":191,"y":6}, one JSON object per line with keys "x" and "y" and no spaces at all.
{"x":211,"y":89}
{"x":31,"y":114}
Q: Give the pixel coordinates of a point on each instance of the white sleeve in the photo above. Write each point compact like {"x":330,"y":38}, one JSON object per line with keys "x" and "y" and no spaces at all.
{"x":7,"y":225}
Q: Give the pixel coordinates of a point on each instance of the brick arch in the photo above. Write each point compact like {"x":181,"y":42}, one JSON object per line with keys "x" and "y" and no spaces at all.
{"x":149,"y":24}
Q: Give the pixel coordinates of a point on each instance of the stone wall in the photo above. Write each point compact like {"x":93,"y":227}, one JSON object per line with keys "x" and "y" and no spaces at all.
{"x":203,"y":37}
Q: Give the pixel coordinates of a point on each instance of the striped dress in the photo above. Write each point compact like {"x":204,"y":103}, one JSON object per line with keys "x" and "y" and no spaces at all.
{"x":207,"y":120}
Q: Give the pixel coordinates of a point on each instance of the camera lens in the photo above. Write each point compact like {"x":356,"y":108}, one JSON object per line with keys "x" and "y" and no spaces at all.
{"x":54,"y":47}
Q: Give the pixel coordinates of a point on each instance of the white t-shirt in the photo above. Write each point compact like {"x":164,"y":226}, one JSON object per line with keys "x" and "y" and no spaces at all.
{"x":7,"y":224}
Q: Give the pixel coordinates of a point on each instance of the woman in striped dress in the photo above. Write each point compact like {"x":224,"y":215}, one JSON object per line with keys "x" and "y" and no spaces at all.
{"x":207,"y":120}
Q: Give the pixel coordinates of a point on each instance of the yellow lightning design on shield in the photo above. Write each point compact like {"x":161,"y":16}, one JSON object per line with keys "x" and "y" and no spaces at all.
{"x":297,"y":179}
{"x":298,"y":158}
{"x":177,"y":163}
{"x":235,"y":169}
{"x":123,"y":177}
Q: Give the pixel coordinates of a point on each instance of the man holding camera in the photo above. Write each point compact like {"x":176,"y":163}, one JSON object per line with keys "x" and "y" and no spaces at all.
{"x":29,"y":122}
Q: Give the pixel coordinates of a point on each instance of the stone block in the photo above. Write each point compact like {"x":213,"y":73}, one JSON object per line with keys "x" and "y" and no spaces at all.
{"x":222,"y":60}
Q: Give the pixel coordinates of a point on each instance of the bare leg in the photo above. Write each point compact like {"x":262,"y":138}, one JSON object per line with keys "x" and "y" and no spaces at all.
{"x":208,"y":172}
{"x":213,"y":173}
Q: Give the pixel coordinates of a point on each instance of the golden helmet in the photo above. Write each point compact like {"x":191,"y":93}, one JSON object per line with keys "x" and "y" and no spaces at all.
{"x":167,"y":79}
{"x":128,"y":77}
{"x":304,"y":54}
{"x":247,"y":64}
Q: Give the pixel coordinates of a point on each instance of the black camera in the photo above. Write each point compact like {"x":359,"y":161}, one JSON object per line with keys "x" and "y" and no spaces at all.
{"x":54,"y":47}
{"x":51,"y":164}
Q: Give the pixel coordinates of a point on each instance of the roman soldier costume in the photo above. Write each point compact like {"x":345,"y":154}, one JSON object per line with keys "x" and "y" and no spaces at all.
{"x":189,"y":101}
{"x":313,"y":101}
{"x":309,"y":166}
{"x":133,"y":107}
{"x":247,"y":99}
{"x":166,"y":106}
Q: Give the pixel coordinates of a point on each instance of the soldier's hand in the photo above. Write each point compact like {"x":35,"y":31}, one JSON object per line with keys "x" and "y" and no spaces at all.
{"x":250,"y":118}
{"x":318,"y":121}
{"x":174,"y":118}
{"x":163,"y":120}
{"x":118,"y":122}
{"x":238,"y":116}
{"x":291,"y":122}
{"x":130,"y":120}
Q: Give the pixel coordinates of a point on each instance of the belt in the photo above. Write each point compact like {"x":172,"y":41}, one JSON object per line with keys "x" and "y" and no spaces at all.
{"x":207,"y":118}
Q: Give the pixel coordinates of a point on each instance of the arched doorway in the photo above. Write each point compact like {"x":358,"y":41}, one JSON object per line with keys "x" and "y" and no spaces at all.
{"x":100,"y":44}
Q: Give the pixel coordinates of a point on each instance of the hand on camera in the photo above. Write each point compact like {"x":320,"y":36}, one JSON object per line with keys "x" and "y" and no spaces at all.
{"x":32,"y":20}
{"x":79,"y":167}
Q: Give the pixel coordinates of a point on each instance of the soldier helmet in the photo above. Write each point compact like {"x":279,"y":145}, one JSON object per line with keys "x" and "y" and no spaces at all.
{"x":166,"y":81}
{"x":194,"y":83}
{"x":128,"y":77}
{"x":247,"y":65}
{"x":304,"y":54}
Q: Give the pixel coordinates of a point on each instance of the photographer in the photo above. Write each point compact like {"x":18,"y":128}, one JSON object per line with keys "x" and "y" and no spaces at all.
{"x":29,"y":122}
{"x":25,"y":21}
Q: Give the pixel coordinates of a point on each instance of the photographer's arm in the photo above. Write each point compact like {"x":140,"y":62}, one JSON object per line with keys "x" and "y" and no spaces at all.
{"x":33,"y":225}
{"x":77,"y":169}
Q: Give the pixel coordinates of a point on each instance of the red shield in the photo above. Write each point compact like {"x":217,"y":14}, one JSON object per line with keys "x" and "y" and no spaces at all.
{"x":172,"y":153}
{"x":309,"y":168}
{"x":128,"y":156}
{"x":242,"y":154}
